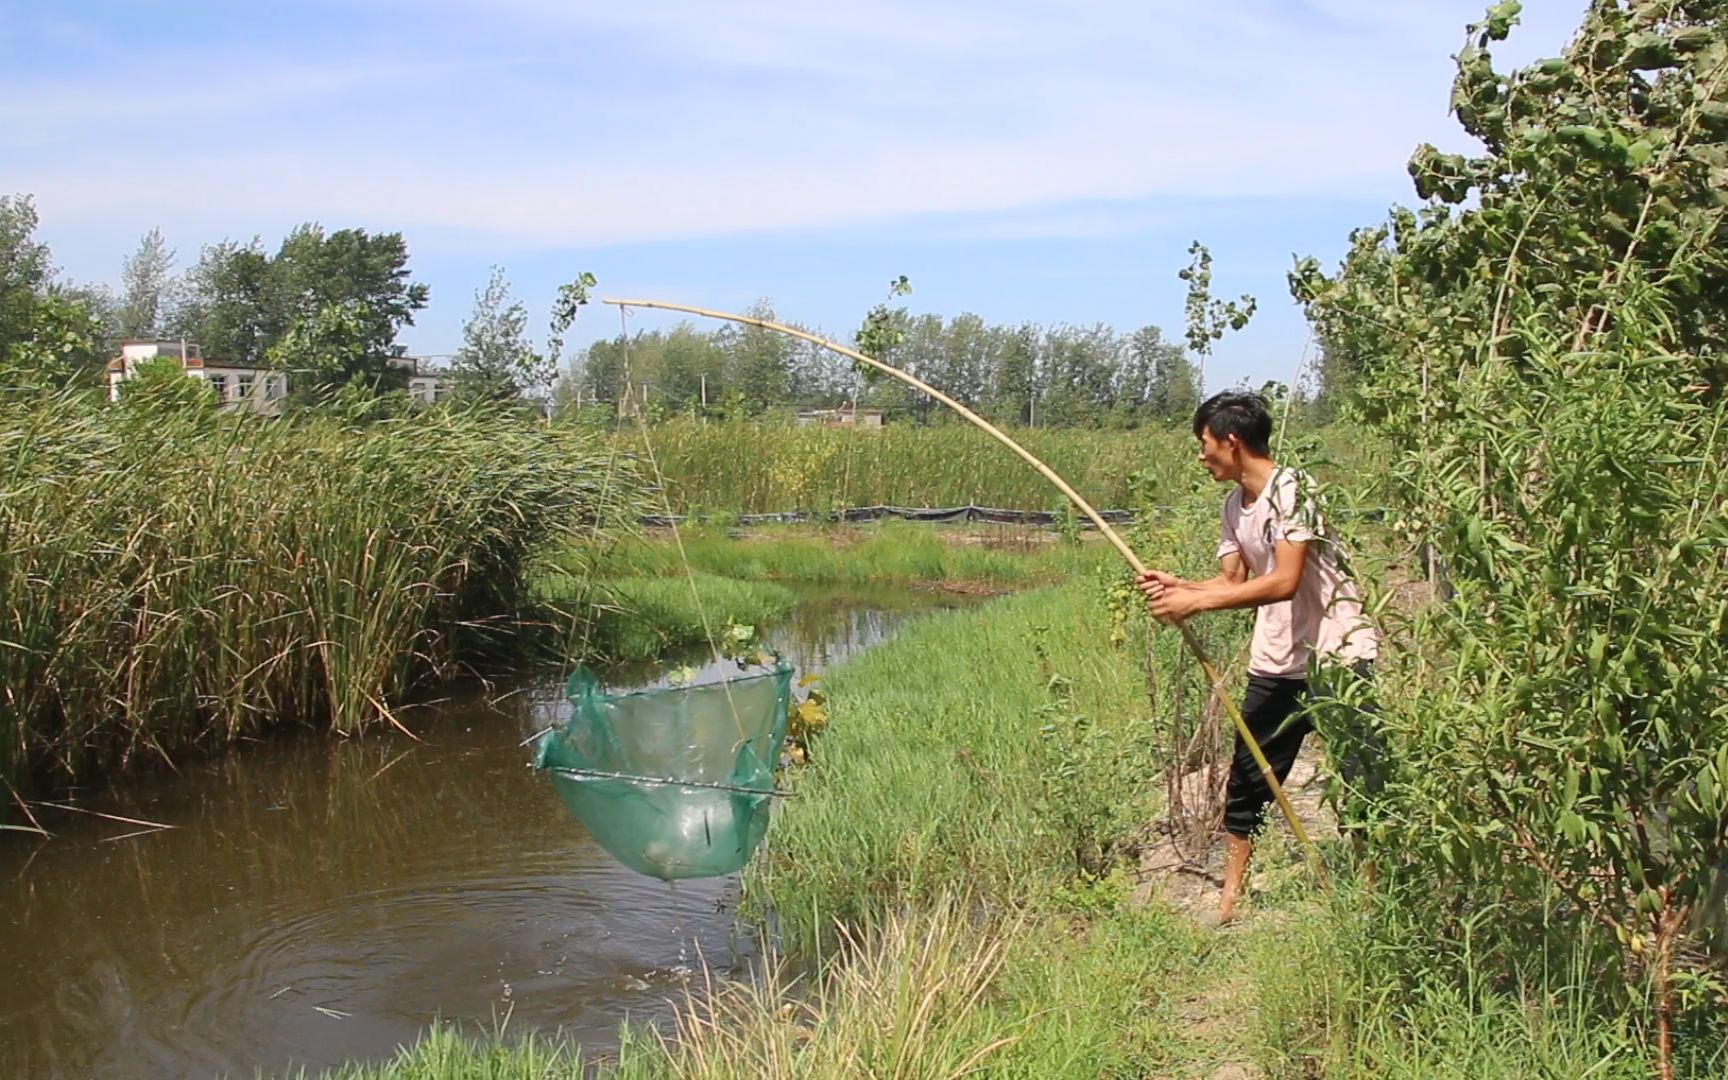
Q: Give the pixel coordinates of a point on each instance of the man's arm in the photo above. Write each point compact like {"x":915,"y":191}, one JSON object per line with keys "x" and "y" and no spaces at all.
{"x":1232,"y":588}
{"x":1231,"y":571}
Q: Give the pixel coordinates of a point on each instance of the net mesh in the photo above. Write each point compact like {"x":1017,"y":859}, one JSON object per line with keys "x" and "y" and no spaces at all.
{"x":674,"y":782}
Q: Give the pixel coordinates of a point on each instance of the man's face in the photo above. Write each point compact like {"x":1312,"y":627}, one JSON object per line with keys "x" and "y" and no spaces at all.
{"x":1222,"y":458}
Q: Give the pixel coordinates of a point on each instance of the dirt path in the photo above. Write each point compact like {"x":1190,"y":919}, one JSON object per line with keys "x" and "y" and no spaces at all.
{"x":1215,"y":1016}
{"x":1191,"y":887}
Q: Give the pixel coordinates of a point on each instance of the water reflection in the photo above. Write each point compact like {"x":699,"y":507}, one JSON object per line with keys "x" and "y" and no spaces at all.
{"x":320,"y":902}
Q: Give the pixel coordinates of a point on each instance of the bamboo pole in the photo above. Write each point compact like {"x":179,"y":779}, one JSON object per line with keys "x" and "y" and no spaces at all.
{"x":1188,"y":637}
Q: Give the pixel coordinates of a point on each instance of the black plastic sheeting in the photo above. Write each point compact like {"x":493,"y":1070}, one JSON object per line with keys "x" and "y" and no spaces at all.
{"x":944,"y":515}
{"x":940,"y":515}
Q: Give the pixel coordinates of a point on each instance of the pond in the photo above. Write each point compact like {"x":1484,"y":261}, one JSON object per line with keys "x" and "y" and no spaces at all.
{"x":321,"y":901}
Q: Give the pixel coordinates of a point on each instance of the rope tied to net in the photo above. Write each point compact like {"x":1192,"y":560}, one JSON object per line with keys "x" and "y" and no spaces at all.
{"x":667,"y":781}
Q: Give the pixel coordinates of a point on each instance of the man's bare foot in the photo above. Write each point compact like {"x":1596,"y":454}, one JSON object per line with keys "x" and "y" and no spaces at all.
{"x":1216,"y":919}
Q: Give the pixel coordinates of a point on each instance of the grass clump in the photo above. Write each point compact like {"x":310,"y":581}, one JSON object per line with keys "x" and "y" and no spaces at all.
{"x":640,"y":618}
{"x":445,"y":1054}
{"x":1330,"y":992}
{"x":932,"y":993}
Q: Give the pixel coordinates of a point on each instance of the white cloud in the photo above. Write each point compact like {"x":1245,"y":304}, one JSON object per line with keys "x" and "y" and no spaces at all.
{"x":766,"y":114}
{"x":187,"y":90}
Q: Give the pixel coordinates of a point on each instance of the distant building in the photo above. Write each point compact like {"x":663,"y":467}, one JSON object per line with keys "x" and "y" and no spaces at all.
{"x":845,"y":416}
{"x":238,"y":385}
{"x":425,"y":383}
{"x":241,"y":385}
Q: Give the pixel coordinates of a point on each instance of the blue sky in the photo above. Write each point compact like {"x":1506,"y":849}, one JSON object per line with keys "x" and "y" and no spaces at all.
{"x":1021,"y":160}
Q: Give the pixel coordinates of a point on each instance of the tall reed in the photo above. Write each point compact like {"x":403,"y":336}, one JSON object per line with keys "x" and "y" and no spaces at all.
{"x":766,"y":467}
{"x":171,"y":576}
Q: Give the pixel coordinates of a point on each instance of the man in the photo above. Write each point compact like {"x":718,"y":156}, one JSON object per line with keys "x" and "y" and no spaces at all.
{"x":1274,"y":557}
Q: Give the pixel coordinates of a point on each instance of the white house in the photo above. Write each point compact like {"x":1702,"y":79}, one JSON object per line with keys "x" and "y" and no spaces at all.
{"x":237,"y":384}
{"x":425,"y":384}
{"x":242,"y":385}
{"x":844,"y":416}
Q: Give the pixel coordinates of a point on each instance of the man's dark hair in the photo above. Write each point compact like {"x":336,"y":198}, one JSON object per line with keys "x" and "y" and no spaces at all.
{"x":1233,"y":412}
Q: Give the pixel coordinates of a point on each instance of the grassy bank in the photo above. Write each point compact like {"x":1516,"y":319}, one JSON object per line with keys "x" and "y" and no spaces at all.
{"x":172,"y":577}
{"x":1004,"y":753}
{"x":634,"y":600}
{"x":925,"y":995}
{"x":1118,"y":994}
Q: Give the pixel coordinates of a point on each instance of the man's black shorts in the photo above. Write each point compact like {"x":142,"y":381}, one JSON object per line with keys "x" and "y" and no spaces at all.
{"x":1273,"y":710}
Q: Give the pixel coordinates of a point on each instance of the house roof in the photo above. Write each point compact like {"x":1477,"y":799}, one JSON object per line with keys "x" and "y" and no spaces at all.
{"x":118,"y":363}
{"x":229,"y":365}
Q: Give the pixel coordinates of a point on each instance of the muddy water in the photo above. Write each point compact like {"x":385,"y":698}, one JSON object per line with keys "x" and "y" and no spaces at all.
{"x":319,"y":902}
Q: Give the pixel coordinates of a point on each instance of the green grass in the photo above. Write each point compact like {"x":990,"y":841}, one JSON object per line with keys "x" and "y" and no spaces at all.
{"x":1329,"y":1002}
{"x":444,"y":1054}
{"x":767,"y":467}
{"x":950,"y":765}
{"x":889,"y":553}
{"x":640,"y":618}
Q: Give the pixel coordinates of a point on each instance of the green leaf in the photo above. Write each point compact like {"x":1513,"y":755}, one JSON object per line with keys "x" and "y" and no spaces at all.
{"x":1569,"y":794}
{"x":1501,"y":18}
{"x":1594,"y":138}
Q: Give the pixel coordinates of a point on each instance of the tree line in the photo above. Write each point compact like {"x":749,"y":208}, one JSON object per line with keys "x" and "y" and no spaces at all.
{"x":1026,"y":373}
{"x":327,"y":306}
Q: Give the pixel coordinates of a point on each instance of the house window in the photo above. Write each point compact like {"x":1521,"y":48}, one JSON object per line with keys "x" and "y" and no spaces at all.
{"x":219,"y":383}
{"x":243,"y":386}
{"x":274,"y":387}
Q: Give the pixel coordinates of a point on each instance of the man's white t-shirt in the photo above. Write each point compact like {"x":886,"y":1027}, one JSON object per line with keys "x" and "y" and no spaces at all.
{"x":1324,"y":619}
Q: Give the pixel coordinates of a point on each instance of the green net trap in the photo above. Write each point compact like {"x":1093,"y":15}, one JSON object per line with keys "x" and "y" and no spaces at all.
{"x":674,"y":782}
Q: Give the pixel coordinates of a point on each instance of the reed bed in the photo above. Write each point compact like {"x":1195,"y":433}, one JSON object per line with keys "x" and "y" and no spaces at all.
{"x":767,"y":467}
{"x":174,"y":577}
